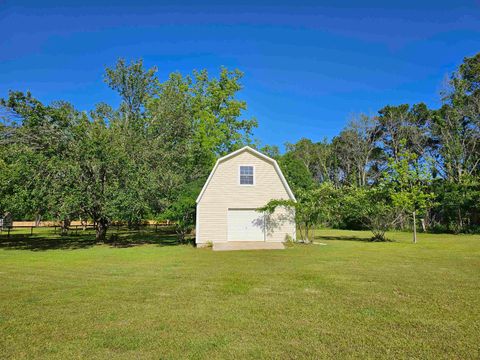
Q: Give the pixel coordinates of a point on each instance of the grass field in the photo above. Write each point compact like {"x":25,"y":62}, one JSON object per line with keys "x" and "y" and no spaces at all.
{"x":66,"y":299}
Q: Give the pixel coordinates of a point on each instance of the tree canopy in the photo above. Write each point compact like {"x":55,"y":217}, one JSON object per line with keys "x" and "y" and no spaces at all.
{"x":139,"y":161}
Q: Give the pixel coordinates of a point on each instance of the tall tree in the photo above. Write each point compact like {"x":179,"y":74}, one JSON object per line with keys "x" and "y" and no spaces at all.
{"x":218,"y":127}
{"x":35,"y":150}
{"x":408,"y":182}
{"x":134,"y":84}
{"x":456,"y":125}
{"x":404,"y":124}
{"x":296,"y":173}
{"x":318,"y":158}
{"x":358,"y":152}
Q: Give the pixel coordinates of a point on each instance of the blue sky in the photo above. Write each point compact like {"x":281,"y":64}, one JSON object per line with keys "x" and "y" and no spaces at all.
{"x":309,"y":65}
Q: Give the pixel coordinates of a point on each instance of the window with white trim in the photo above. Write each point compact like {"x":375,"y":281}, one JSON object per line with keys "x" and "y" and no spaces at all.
{"x":246,"y":175}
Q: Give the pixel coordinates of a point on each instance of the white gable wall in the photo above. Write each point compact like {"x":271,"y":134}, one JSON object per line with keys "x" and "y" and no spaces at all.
{"x":224,"y":192}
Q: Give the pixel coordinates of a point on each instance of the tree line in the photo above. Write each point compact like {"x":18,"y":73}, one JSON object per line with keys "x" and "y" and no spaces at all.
{"x":148,"y":158}
{"x":406,"y":162}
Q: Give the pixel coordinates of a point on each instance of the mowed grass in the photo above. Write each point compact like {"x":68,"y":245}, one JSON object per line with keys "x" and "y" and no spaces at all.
{"x":346,"y":299}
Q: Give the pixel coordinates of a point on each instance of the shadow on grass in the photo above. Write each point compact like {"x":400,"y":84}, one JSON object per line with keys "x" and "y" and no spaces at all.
{"x":349,"y":238}
{"x":48,"y":240}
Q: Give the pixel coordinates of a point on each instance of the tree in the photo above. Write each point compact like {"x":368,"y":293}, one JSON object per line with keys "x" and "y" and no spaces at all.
{"x":456,"y":125}
{"x":93,"y":154}
{"x":404,"y":126}
{"x":296,"y":173}
{"x":458,"y":203}
{"x":357,"y":151}
{"x":182,"y":211}
{"x":134,"y":84}
{"x":318,"y":158}
{"x":272,"y":151}
{"x":457,"y":144}
{"x":372,"y":207}
{"x":172,"y":150}
{"x":35,"y":149}
{"x":216,"y":111}
{"x":408,"y":182}
{"x":313,"y":207}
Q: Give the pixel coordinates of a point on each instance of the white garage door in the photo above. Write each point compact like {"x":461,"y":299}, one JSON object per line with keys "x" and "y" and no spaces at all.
{"x":245,"y":225}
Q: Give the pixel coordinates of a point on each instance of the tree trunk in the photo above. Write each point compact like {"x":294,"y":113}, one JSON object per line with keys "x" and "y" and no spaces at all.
{"x":101,"y":231}
{"x":64,"y":225}
{"x":414,"y":227}
{"x":301,"y":233}
{"x":424,"y":227}
{"x":38,"y":219}
{"x":460,"y":219}
{"x":181,"y":234}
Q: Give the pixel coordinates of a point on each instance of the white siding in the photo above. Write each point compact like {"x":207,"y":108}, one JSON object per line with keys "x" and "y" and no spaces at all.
{"x":224,"y":192}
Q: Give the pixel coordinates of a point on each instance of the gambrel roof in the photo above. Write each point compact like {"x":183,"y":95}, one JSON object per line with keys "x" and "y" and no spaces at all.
{"x":254,"y":152}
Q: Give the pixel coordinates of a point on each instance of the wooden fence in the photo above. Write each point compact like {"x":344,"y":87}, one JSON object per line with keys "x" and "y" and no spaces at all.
{"x":80,"y":223}
{"x":76,"y":225}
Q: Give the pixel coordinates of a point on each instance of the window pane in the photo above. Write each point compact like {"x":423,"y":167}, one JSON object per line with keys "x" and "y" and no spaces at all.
{"x":246,"y":170}
{"x":246,"y":175}
{"x":246,"y":179}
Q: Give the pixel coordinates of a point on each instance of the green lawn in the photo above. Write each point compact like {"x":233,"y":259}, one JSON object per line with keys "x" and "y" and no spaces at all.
{"x":71,"y":298}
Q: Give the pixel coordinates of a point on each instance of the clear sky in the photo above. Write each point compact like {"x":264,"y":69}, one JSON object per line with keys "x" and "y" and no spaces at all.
{"x":309,"y":65}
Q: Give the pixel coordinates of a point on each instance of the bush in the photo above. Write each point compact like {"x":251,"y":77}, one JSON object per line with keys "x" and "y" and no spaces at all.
{"x":372,"y":209}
